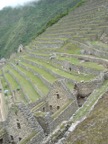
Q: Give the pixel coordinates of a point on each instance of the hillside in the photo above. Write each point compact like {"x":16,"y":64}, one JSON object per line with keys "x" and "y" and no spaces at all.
{"x":59,"y":80}
{"x":94,"y":129}
{"x":22,"y":24}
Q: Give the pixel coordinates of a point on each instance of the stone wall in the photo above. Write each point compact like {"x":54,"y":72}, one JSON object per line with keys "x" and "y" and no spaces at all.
{"x":86,"y":88}
{"x":64,"y":115}
{"x":67,"y":66}
{"x":43,"y":67}
{"x":50,"y":122}
{"x":45,"y":81}
{"x":21,"y":123}
{"x":3,"y":134}
{"x":95,"y":52}
{"x":58,"y":96}
{"x":44,"y":121}
{"x":36,"y":139}
{"x":34,"y":104}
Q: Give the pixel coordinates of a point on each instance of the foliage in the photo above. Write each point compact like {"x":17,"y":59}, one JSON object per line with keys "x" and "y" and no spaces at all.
{"x":22,"y":24}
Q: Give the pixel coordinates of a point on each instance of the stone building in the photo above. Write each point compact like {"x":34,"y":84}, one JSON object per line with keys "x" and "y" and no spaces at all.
{"x":22,"y":127}
{"x":60,"y":104}
{"x":20,"y":48}
{"x":84,"y":89}
{"x":29,"y":125}
{"x":58,"y":96}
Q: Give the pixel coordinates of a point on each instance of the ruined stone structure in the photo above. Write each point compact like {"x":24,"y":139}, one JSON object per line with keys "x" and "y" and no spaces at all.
{"x":20,"y":48}
{"x":31,"y":124}
{"x":84,"y":89}
{"x":24,"y":125}
{"x":21,"y":126}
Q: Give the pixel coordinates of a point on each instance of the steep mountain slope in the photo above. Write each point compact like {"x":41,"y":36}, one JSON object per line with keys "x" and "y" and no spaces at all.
{"x":74,"y":50}
{"x":22,"y":24}
{"x":95,"y":128}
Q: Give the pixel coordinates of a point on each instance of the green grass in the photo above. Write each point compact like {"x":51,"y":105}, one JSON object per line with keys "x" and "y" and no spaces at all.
{"x":13,"y":83}
{"x":69,"y":48}
{"x":70,"y":86}
{"x":35,"y":80}
{"x":26,"y":86}
{"x":5,"y":86}
{"x":98,"y":43}
{"x":14,"y":86}
{"x":28,"y":138}
{"x":0,"y":72}
{"x":73,"y":76}
{"x":91,"y":65}
{"x":41,"y":71}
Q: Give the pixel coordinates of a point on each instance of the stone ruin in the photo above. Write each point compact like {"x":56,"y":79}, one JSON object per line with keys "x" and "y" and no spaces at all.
{"x":84,"y":89}
{"x":20,"y":48}
{"x":30,"y":124}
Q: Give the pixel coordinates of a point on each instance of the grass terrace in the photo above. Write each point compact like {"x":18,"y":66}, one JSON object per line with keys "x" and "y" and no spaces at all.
{"x":5,"y":87}
{"x":35,"y":80}
{"x":40,"y":71}
{"x":75,"y":61}
{"x":69,"y":48}
{"x":73,"y":76}
{"x":16,"y":87}
{"x":25,"y":85}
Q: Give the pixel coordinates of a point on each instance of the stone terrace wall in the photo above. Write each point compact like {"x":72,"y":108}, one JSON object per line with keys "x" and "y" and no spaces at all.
{"x":37,"y":139}
{"x":71,"y":67}
{"x":3,"y":134}
{"x":44,"y":121}
{"x":64,"y":115}
{"x":32,"y":105}
{"x":60,"y":90}
{"x":86,"y":88}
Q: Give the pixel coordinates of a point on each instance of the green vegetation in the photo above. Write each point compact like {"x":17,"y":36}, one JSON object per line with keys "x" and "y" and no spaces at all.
{"x":5,"y":87}
{"x":14,"y":86}
{"x":75,"y":61}
{"x":20,"y":25}
{"x":69,"y":48}
{"x":41,"y":71}
{"x":26,"y":85}
{"x":27,"y":139}
{"x":58,"y":71}
{"x":35,"y":80}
